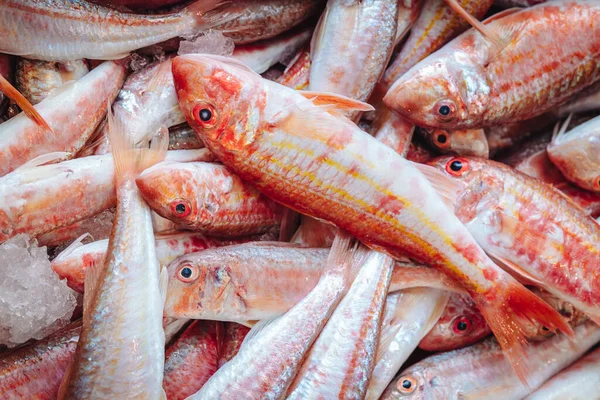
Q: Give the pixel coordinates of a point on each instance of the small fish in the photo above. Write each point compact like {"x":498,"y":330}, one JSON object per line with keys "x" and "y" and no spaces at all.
{"x":208,"y":198}
{"x":481,"y":371}
{"x":120,"y":352}
{"x":261,"y":56}
{"x":72,"y":263}
{"x":299,"y":154}
{"x":464,"y":142}
{"x":192,"y":359}
{"x":341,"y":366}
{"x":258,"y":20}
{"x":232,"y":340}
{"x":469,"y":83}
{"x":36,"y":370}
{"x":38,"y":199}
{"x":530,"y":227}
{"x":63,"y":30}
{"x":576,"y":154}
{"x":460,"y":325}
{"x":87,"y":98}
{"x":273,"y":351}
{"x":36,"y":79}
{"x":409,"y":315}
{"x":580,"y":381}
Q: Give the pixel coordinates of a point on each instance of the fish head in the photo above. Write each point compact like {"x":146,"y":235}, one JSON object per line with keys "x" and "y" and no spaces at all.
{"x":464,"y":142}
{"x":413,"y":384}
{"x":185,"y":193}
{"x":459,"y":326}
{"x":577,"y":155}
{"x":222,"y":100}
{"x":446,"y":91}
{"x":202,"y":287}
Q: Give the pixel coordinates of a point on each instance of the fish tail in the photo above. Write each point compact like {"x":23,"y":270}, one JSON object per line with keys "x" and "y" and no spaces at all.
{"x":209,"y":13}
{"x":12,"y":93}
{"x":509,"y":313}
{"x":128,"y":160}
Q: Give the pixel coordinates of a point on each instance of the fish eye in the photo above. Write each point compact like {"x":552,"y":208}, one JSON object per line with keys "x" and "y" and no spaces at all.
{"x":406,"y":384}
{"x":441,"y":139}
{"x":181,"y":208}
{"x":205,"y":115}
{"x":457,"y":166}
{"x":445,"y":110}
{"x":461,"y":325}
{"x":187,"y":273}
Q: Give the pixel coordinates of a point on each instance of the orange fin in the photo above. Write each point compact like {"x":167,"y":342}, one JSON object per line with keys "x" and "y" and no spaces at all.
{"x":12,"y":93}
{"x":48,"y":158}
{"x":509,"y":311}
{"x":486,"y":32}
{"x":509,"y":266}
{"x":341,"y":103}
{"x":447,"y":188}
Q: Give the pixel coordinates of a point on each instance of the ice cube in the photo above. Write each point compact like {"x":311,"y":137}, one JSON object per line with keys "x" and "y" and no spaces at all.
{"x":209,"y":42}
{"x":34,"y":302}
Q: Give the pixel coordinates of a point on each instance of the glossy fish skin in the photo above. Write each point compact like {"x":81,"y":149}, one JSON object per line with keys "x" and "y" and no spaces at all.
{"x":183,"y":137}
{"x":36,"y":79}
{"x":192,"y":359}
{"x":273,"y":352}
{"x":120,"y":353}
{"x":464,"y":142}
{"x":72,"y":263}
{"x":460,"y":325}
{"x":23,"y":140}
{"x":579,"y":381}
{"x":36,"y":370}
{"x":481,"y":371}
{"x":232,"y":340}
{"x":264,"y":19}
{"x":351,"y":46}
{"x":468,"y":84}
{"x":208,"y":198}
{"x":324,"y":166}
{"x":341,"y":366}
{"x":576,"y":154}
{"x":229,"y":283}
{"x":531,"y":225}
{"x":40,"y":199}
{"x":62,"y":30}
{"x":409,"y":315}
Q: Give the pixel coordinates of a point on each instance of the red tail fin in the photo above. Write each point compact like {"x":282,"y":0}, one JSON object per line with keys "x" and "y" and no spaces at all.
{"x":12,"y":93}
{"x":508,"y":314}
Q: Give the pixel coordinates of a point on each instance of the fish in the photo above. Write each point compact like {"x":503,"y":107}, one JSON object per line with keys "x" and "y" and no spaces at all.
{"x":72,"y":263}
{"x":137,"y":4}
{"x":64,"y":30}
{"x":120,"y":352}
{"x":23,"y":140}
{"x":273,"y":350}
{"x":470,"y":82}
{"x":36,"y":79}
{"x":232,"y":340}
{"x":530,"y":227}
{"x":460,"y":325}
{"x":258,"y":20}
{"x":577,"y":382}
{"x":576,"y":154}
{"x":100,"y":225}
{"x":351,"y":46}
{"x":262,"y":55}
{"x":37,"y":199}
{"x":464,"y":142}
{"x":341,"y":366}
{"x":583,"y":101}
{"x":324,"y":166}
{"x":36,"y":370}
{"x":192,"y":359}
{"x":183,"y":137}
{"x":408,"y":12}
{"x":208,"y":198}
{"x":482,"y":371}
{"x":297,"y":73}
{"x":409,"y":315}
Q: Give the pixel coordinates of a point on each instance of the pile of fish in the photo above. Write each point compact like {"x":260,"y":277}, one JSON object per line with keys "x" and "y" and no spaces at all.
{"x":302,"y":199}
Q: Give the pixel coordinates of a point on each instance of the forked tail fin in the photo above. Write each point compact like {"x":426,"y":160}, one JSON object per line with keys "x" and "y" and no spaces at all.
{"x":12,"y":93}
{"x":509,"y":312}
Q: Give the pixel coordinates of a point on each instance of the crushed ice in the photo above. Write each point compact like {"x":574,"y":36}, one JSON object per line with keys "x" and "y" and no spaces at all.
{"x":34,"y":302}
{"x":209,"y":42}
